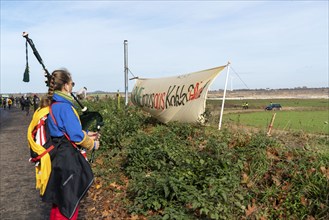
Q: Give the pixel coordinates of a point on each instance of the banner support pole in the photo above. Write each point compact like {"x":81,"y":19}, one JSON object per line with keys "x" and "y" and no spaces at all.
{"x":224,"y":95}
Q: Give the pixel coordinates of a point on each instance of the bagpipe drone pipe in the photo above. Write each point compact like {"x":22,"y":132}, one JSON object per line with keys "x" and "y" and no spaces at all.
{"x":87,"y":117}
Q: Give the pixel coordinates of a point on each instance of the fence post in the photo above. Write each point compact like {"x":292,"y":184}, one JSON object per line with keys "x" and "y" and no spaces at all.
{"x":271,"y":125}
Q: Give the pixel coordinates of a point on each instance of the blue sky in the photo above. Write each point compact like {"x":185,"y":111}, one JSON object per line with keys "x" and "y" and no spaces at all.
{"x":270,"y":44}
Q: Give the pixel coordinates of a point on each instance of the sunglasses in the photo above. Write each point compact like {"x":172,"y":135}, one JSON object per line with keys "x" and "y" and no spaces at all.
{"x":73,"y":84}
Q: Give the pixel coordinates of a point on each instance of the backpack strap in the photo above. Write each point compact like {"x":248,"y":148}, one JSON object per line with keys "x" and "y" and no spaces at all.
{"x":35,"y":159}
{"x":52,"y":116}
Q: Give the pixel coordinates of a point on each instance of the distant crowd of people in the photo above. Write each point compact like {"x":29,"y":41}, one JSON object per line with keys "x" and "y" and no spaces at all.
{"x":24,"y":102}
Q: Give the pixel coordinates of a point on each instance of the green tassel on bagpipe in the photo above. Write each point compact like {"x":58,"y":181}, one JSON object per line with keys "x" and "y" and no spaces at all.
{"x":26,"y":77}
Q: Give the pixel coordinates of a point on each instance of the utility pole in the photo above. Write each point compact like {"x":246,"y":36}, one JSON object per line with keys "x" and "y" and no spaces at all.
{"x":125,"y":42}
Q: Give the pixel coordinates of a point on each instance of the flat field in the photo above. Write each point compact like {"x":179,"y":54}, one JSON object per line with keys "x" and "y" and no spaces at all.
{"x":306,"y":115}
{"x":307,"y":121}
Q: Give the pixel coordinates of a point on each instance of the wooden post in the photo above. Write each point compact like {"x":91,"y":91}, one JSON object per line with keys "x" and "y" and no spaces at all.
{"x":271,"y":125}
{"x":118,"y":99}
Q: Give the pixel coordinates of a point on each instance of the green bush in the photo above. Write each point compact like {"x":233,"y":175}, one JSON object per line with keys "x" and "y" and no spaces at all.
{"x":188,"y":171}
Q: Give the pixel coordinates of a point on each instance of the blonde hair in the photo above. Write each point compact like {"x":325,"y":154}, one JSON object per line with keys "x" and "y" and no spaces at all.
{"x":44,"y":101}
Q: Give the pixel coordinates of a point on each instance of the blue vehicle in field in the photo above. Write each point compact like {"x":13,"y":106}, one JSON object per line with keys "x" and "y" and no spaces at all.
{"x":273,"y":106}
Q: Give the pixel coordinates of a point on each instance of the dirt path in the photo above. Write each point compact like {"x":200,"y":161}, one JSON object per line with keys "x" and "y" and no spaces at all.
{"x":19,"y":198}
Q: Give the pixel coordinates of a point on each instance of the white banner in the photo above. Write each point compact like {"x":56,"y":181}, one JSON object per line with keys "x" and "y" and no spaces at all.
{"x":180,"y":98}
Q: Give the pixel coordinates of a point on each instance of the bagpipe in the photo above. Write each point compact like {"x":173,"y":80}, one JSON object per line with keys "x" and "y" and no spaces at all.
{"x":87,"y":117}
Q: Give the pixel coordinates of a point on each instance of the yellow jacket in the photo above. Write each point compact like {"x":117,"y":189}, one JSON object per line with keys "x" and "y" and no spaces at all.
{"x":43,"y":170}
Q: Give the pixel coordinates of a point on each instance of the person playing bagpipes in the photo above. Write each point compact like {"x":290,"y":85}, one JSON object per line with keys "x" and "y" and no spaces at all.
{"x":57,"y":138}
{"x":65,"y":175}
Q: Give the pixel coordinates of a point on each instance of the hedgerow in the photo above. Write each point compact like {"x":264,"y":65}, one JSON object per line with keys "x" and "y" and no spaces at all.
{"x":190,"y":171}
